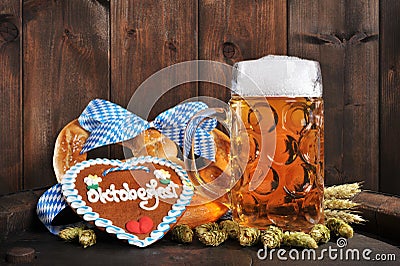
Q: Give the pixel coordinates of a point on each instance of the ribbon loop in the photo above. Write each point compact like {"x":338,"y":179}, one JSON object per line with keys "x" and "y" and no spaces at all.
{"x":109,"y":123}
{"x":49,"y":205}
{"x":199,"y":128}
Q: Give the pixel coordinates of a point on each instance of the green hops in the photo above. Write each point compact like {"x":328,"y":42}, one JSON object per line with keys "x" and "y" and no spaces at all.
{"x":320,"y":233}
{"x":209,"y":234}
{"x":340,"y":227}
{"x":299,"y":239}
{"x":86,"y":237}
{"x":182,"y":234}
{"x":248,"y":236}
{"x":231,"y":227}
{"x":272,"y":237}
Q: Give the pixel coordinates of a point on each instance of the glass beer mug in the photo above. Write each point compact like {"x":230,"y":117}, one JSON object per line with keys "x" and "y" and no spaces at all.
{"x":275,"y":121}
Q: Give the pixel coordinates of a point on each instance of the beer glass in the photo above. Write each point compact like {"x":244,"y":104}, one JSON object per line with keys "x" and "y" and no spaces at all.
{"x":275,"y":119}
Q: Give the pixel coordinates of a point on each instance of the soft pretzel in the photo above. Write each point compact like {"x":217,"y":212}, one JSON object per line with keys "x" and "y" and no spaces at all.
{"x":67,"y":149}
{"x":151,"y":142}
{"x":200,"y":211}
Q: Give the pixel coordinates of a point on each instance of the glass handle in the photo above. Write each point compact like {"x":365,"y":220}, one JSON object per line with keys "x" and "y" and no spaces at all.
{"x":213,"y":187}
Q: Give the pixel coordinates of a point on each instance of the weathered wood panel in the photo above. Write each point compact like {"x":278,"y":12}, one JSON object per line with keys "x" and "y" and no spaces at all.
{"x":234,"y":30}
{"x":66,"y":46}
{"x":342,"y":36}
{"x":111,"y":251}
{"x":10,"y":97}
{"x":390,"y":97}
{"x":382,"y":213}
{"x":146,"y":37}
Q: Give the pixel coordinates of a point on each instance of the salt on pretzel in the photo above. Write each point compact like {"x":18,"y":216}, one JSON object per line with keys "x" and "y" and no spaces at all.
{"x":67,"y":149}
{"x":151,"y":142}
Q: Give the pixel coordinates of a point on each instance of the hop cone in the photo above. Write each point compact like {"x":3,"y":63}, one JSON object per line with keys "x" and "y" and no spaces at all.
{"x":248,"y":236}
{"x":204,"y":228}
{"x":210,"y":234}
{"x":87,"y":238}
{"x":340,"y":227}
{"x":231,"y":227}
{"x":182,"y":234}
{"x":320,"y":233}
{"x":70,"y":233}
{"x":299,"y":239}
{"x":272,"y":237}
{"x":213,"y":238}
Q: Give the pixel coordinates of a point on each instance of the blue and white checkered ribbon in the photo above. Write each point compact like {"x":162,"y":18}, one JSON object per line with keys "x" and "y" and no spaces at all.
{"x":50,"y":204}
{"x":109,"y":123}
{"x":126,"y":167}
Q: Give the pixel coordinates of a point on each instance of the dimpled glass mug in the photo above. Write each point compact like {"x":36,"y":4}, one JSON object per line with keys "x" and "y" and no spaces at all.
{"x":275,"y":121}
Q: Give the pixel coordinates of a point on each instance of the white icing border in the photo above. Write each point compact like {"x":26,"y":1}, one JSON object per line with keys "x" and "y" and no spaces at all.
{"x":76,"y":202}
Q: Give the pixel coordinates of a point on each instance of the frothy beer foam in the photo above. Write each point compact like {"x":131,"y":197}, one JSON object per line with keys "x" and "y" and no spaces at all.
{"x":277,"y":76}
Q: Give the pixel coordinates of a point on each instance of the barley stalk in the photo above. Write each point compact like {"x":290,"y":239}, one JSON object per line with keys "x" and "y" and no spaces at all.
{"x":339,"y":204}
{"x":345,"y":191}
{"x":346,"y":216}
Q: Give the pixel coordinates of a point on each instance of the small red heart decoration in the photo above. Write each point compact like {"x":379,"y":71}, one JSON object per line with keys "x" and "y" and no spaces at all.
{"x":133,"y":227}
{"x":146,"y":224}
{"x":143,"y":226}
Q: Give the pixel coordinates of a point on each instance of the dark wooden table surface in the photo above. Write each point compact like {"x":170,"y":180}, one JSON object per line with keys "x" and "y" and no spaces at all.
{"x":50,"y":250}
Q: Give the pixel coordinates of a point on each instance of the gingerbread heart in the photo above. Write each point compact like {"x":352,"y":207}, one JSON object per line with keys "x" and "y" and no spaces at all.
{"x":138,"y":200}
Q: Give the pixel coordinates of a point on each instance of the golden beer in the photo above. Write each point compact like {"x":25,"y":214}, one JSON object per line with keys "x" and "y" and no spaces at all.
{"x":276,"y":162}
{"x":289,"y":189}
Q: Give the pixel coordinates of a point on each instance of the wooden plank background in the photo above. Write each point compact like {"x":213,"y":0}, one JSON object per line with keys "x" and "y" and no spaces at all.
{"x":66,"y":65}
{"x":235,"y":30}
{"x":55,"y":56}
{"x":342,"y":36}
{"x":10,"y":97}
{"x":390,"y":96}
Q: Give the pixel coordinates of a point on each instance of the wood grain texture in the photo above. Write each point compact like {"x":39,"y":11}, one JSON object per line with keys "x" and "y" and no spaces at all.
{"x":10,"y":97}
{"x":66,"y":46}
{"x":382,"y":213}
{"x":390,"y":97}
{"x":147,"y":36}
{"x":235,"y":30}
{"x":111,"y":251}
{"x":343,"y":37}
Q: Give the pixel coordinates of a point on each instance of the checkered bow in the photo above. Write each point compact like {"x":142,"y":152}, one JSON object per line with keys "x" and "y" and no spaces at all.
{"x":109,"y":123}
{"x":50,"y":204}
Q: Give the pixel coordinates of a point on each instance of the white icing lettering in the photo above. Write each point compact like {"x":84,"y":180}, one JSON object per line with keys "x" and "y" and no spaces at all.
{"x":101,"y":195}
{"x":151,"y":188}
{"x":106,"y":195}
{"x":144,"y":203}
{"x":114,"y":193}
{"x":132,"y":194}
{"x":141,"y":193}
{"x":170,"y":191}
{"x":124,"y":194}
{"x":93,"y":195}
